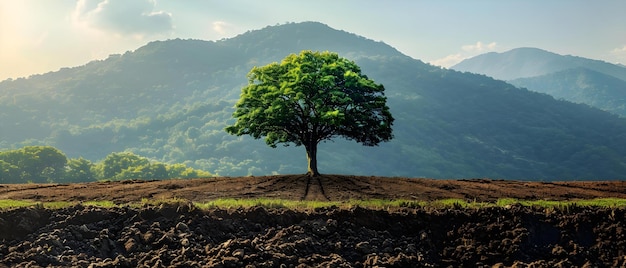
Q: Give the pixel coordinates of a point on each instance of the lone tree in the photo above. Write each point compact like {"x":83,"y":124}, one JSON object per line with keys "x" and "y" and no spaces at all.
{"x":309,"y":98}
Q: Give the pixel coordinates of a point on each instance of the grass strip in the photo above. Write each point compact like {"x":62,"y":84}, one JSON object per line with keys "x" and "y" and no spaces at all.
{"x":378,"y":204}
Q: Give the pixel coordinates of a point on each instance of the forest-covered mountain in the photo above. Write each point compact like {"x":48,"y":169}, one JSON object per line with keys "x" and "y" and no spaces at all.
{"x":576,"y":79}
{"x":581,"y":85}
{"x":170,"y":101}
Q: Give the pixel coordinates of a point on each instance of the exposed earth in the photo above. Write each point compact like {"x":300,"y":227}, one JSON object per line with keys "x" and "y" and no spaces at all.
{"x":181,"y":235}
{"x":298,"y":187}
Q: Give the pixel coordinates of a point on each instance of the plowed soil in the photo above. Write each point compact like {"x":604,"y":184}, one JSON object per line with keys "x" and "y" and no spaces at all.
{"x":326,"y":187}
{"x":181,"y":235}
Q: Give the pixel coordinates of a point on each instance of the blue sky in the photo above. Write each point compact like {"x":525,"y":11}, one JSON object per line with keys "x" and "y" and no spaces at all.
{"x":38,"y":36}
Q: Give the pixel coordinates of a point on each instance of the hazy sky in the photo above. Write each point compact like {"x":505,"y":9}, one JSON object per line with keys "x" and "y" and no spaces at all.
{"x":38,"y":36}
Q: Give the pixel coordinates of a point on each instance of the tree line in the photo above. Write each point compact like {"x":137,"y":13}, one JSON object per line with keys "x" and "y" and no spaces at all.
{"x":46,"y":164}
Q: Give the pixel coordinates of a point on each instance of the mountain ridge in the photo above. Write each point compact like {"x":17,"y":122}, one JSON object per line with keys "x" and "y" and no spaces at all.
{"x":581,"y":85}
{"x":527,"y":62}
{"x":576,"y":79}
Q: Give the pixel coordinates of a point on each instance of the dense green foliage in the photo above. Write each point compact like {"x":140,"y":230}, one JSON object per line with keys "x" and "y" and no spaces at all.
{"x":32,"y":164}
{"x":170,"y":101}
{"x":45,"y":164}
{"x":310,"y":98}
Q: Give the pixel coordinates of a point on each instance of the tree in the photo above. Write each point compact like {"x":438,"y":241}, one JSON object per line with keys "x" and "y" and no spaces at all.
{"x":127,"y":165}
{"x":309,"y":98}
{"x":145,"y":171}
{"x":79,"y":169}
{"x":183,"y":171}
{"x":9,"y":173}
{"x":115,"y":163}
{"x":35,"y":163}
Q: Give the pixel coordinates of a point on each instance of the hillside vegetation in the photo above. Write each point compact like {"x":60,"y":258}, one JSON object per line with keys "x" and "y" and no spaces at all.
{"x":596,"y":83}
{"x":170,"y":100}
{"x":45,"y":164}
{"x":581,"y":85}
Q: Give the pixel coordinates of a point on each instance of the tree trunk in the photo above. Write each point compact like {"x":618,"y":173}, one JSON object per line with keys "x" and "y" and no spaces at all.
{"x":311,"y":156}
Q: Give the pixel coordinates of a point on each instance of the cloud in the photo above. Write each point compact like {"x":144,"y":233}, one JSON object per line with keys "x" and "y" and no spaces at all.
{"x":448,"y":61}
{"x":619,"y":51}
{"x":467,"y":51}
{"x":125,"y":17}
{"x":222,"y":27}
{"x":479,"y":47}
{"x":619,"y":55}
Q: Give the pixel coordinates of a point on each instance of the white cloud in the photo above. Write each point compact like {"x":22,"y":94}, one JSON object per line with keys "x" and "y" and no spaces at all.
{"x":619,"y":55}
{"x":479,"y":47}
{"x":619,"y":51}
{"x":467,"y":51}
{"x":223,"y":28}
{"x":219,"y":26}
{"x":448,"y":61}
{"x":125,"y":17}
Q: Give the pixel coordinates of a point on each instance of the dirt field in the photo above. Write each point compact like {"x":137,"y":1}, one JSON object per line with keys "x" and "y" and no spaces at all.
{"x":181,"y":235}
{"x":326,"y":187}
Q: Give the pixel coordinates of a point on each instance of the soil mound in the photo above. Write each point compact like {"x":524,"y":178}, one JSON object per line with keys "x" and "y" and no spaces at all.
{"x":180,"y":235}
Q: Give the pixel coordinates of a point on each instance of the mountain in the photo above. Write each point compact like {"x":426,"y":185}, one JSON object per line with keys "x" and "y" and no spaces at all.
{"x":581,"y":85}
{"x":580,"y":80}
{"x":170,"y":101}
{"x":530,"y":62}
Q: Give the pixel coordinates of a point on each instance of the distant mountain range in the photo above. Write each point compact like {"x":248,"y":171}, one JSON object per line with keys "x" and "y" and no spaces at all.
{"x":581,"y":85}
{"x":580,"y":80}
{"x":170,"y":101}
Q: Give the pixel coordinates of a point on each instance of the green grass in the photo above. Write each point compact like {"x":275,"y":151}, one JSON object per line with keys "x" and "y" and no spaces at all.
{"x":103,"y":204}
{"x":10,"y":204}
{"x":157,"y":202}
{"x":6,"y":203}
{"x":604,"y":202}
{"x":598,"y":202}
{"x":378,"y":204}
{"x":294,"y":204}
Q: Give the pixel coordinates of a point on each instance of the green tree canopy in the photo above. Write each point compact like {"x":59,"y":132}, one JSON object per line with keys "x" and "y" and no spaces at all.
{"x":8,"y":172}
{"x":309,"y":98}
{"x":79,"y":169}
{"x":40,"y":164}
{"x":127,"y":165}
{"x":115,"y":163}
{"x":35,"y":163}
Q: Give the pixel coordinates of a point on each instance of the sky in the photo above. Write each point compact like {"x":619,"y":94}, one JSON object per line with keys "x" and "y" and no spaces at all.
{"x":40,"y":36}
